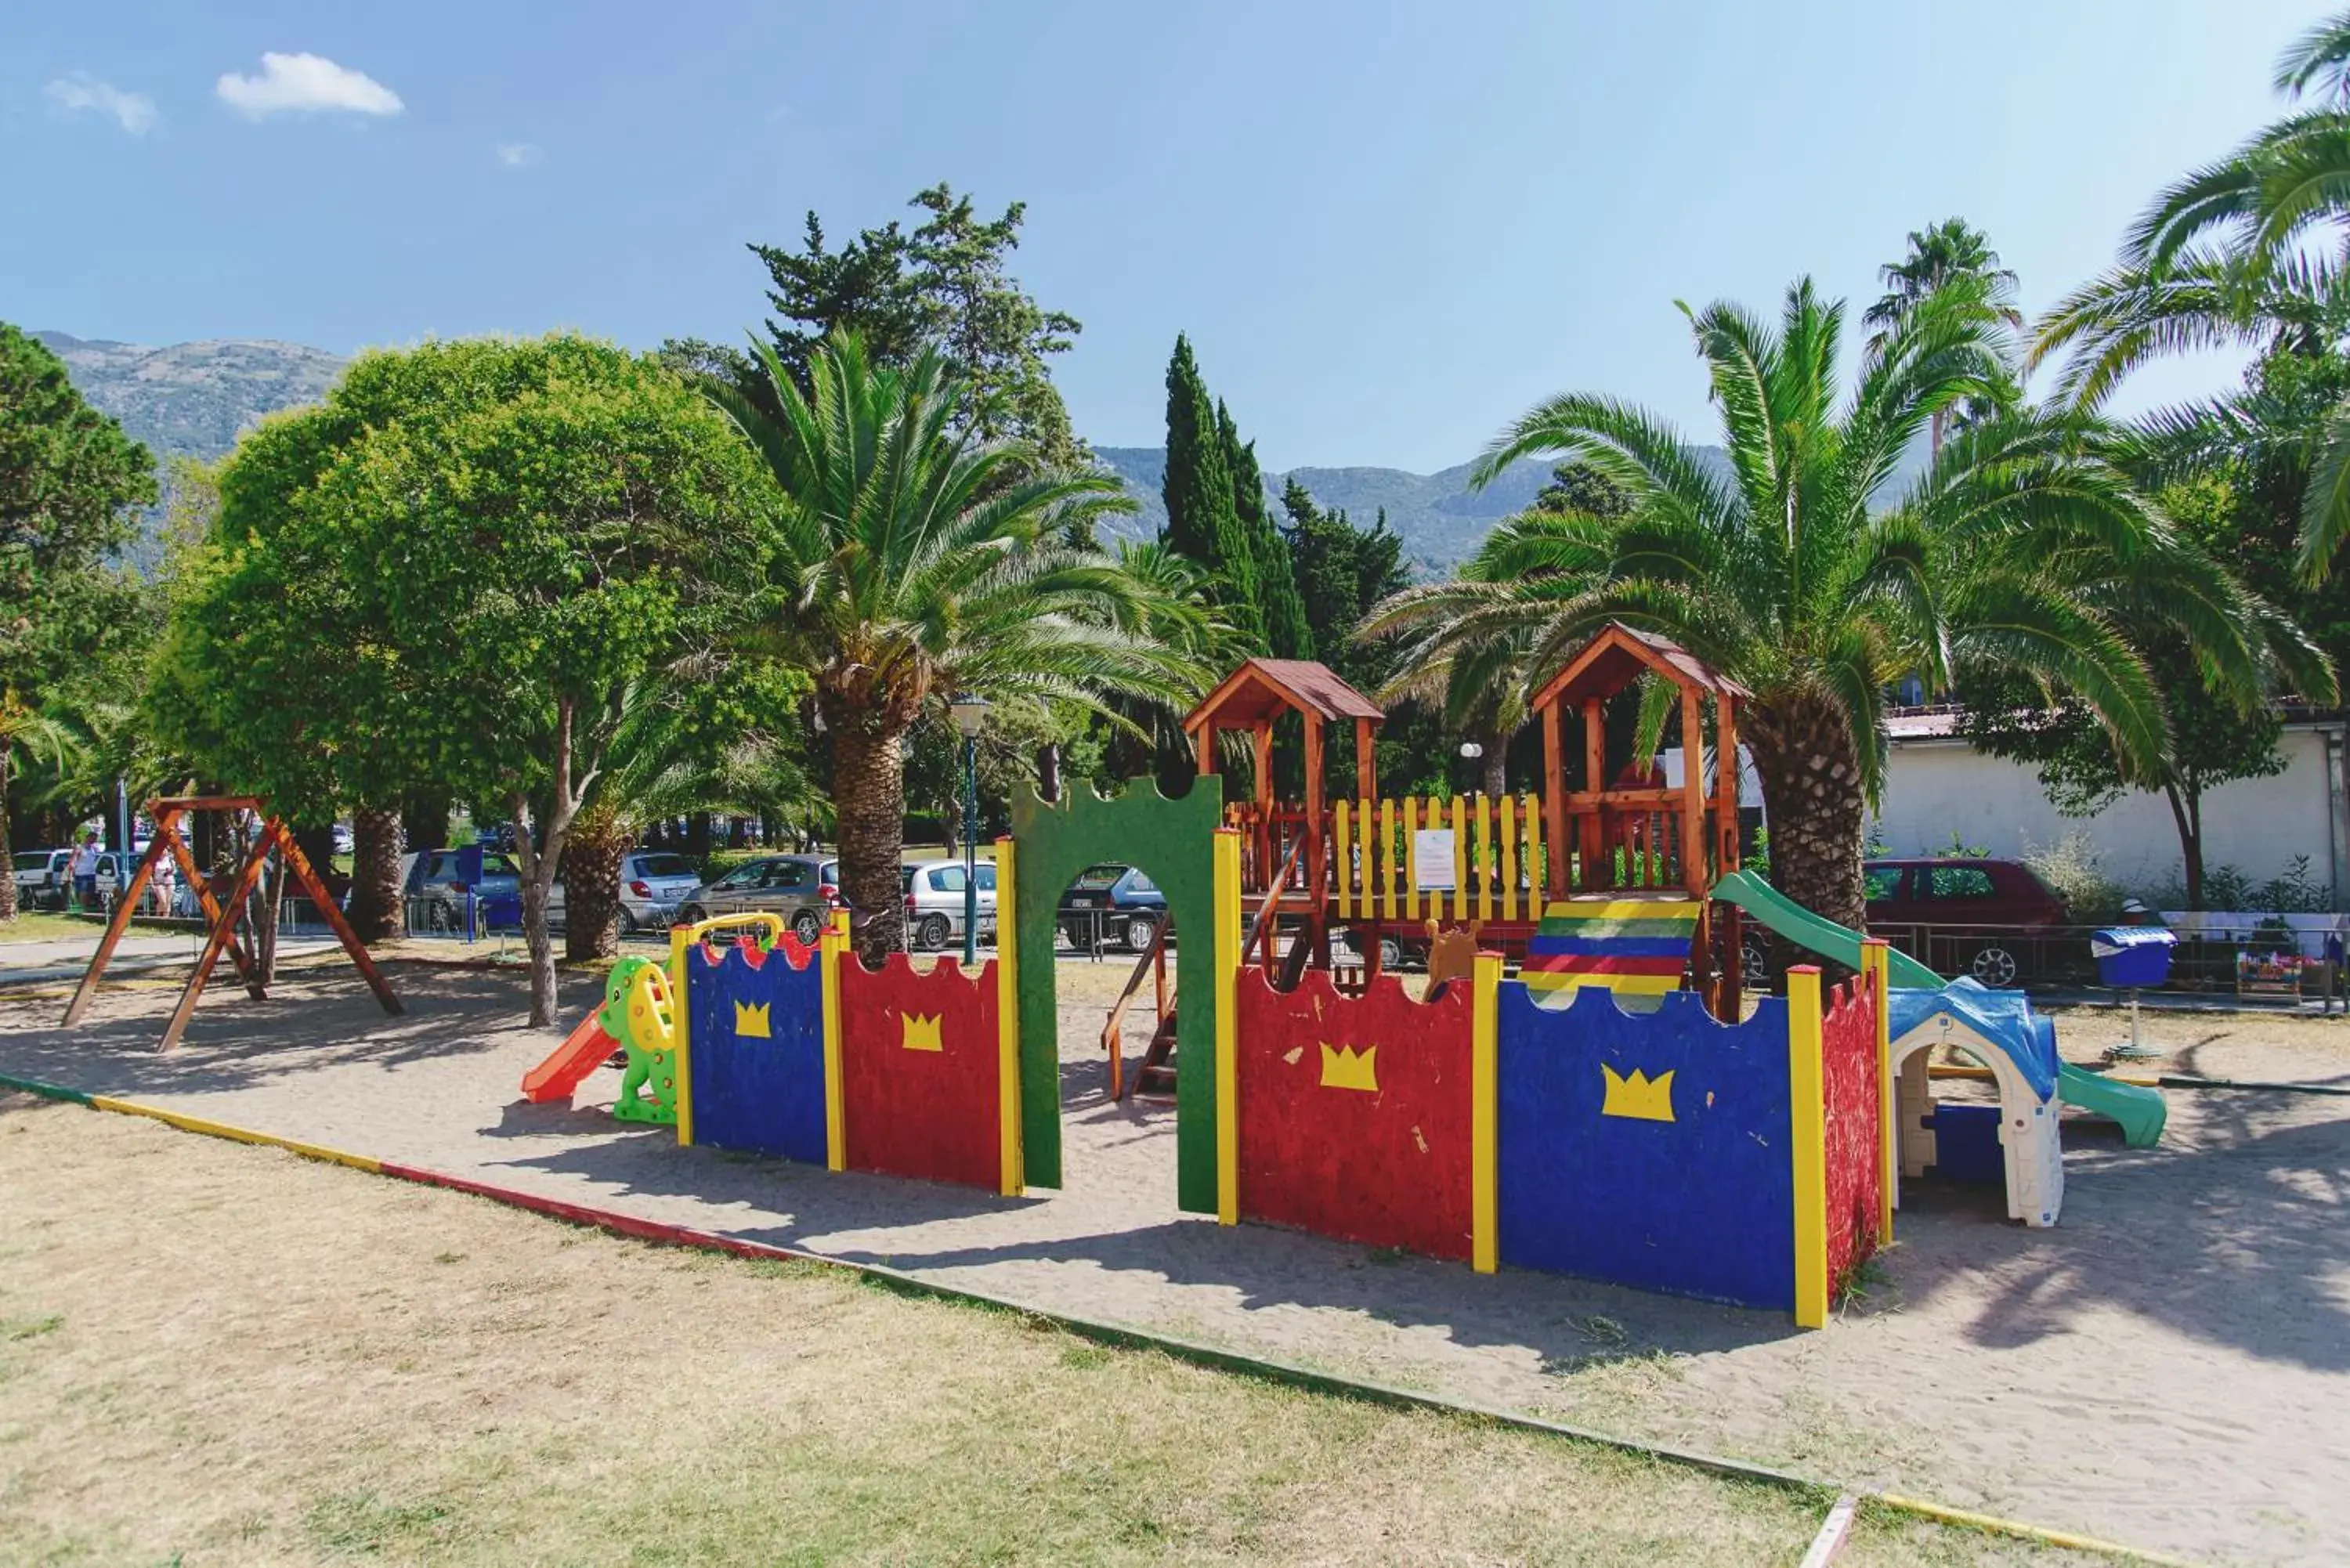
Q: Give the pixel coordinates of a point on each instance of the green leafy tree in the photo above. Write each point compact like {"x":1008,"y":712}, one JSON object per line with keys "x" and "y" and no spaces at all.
{"x":946,"y":283}
{"x":2020,"y":548}
{"x":70,"y":484}
{"x":1579,"y":487}
{"x":2213,"y":738}
{"x":464,"y":591}
{"x":907,"y":567}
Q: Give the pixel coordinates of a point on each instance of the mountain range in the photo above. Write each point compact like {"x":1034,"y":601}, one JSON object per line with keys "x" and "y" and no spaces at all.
{"x":195,"y":399}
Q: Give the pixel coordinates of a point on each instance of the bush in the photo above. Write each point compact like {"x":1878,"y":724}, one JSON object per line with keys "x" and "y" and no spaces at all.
{"x":2293,"y":891}
{"x":2071,"y":869}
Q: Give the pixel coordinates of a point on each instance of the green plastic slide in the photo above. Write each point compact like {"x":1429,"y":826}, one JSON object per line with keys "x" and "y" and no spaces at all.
{"x":1809,"y":932}
{"x":2140,"y":1111}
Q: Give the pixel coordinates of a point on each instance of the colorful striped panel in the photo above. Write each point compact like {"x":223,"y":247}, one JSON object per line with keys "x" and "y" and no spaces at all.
{"x":1611,"y":963}
{"x":1676,"y":946}
{"x":1638,"y":946}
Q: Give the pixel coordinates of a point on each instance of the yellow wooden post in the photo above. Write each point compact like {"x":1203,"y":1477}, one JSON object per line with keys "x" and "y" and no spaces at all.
{"x":1484,"y":858}
{"x":1460,"y":864}
{"x":1509,"y":857}
{"x":829,"y":948}
{"x":1807,"y":1103}
{"x":1345,"y":862}
{"x":1227,"y":878}
{"x":1007,"y":1021}
{"x":1484,"y":1114}
{"x":1876,"y":968}
{"x":677,"y":946}
{"x":1387,"y":853}
{"x":1410,"y":859}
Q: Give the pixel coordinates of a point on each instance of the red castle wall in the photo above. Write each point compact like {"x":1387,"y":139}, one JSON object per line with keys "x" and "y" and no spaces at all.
{"x":1849,"y":1080}
{"x":927,"y":1114}
{"x":1388,"y":1167}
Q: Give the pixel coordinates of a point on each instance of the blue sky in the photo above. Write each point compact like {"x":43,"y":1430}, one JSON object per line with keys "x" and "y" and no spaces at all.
{"x":1389,"y":229}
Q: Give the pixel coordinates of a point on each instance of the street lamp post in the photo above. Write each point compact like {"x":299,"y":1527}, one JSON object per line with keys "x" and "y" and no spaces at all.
{"x":1469,"y":752}
{"x":970,"y":712}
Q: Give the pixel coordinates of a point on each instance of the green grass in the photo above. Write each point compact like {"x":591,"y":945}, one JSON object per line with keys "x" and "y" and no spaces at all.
{"x":401,"y":1374}
{"x":30,"y":926}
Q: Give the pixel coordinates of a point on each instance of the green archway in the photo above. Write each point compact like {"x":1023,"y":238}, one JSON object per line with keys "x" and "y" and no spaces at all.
{"x":1174,"y":841}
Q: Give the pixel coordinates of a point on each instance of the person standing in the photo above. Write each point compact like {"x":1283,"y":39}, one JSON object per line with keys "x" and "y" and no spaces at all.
{"x":160,"y":880}
{"x":82,"y":867}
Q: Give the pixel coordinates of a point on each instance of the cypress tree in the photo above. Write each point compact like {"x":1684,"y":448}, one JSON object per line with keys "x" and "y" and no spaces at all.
{"x":1286,"y":633}
{"x":1201,"y":520}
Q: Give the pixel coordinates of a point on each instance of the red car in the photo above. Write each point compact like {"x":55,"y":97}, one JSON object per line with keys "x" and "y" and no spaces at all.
{"x":1964,"y":916}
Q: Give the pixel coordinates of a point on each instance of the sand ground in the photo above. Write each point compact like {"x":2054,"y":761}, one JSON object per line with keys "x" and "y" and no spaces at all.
{"x":2169,"y":1367}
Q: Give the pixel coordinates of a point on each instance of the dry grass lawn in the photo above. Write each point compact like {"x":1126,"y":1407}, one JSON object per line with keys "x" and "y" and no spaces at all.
{"x":216,"y":1354}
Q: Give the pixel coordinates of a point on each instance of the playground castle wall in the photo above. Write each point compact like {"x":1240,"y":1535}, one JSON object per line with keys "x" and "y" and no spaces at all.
{"x":1636,"y":1140}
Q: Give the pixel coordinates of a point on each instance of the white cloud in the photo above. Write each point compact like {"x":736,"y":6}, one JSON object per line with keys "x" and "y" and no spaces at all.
{"x":80,"y":91}
{"x":520,"y":154}
{"x":306,"y":83}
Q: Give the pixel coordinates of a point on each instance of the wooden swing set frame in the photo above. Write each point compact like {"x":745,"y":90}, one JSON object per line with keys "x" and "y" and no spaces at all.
{"x":221,"y":918}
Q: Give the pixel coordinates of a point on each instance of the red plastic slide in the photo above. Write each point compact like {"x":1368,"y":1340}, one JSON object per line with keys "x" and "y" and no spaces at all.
{"x":579,"y":1055}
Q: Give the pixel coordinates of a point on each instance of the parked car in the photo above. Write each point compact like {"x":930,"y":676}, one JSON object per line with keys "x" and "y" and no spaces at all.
{"x":41,"y":881}
{"x":345,"y":842}
{"x":934,"y":897}
{"x":1119,"y":902}
{"x":115,"y":869}
{"x":435,"y":886}
{"x":805,"y":890}
{"x":1961,"y":914}
{"x":653,"y":883}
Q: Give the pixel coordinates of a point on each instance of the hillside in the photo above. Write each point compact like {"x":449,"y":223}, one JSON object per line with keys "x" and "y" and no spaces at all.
{"x":1439,"y":518}
{"x":193,"y":399}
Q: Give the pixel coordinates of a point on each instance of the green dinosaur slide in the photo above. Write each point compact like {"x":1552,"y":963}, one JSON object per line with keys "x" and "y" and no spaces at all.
{"x":2140,"y":1111}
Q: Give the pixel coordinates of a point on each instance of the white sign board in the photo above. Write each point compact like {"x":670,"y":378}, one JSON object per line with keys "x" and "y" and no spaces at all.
{"x":1431,"y":860}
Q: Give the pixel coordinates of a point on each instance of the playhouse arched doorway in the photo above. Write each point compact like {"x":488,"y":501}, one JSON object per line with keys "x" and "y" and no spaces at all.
{"x":1173,"y":842}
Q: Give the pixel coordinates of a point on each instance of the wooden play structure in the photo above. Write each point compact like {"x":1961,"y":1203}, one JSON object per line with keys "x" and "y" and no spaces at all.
{"x":221,"y":916}
{"x":1575,"y":880}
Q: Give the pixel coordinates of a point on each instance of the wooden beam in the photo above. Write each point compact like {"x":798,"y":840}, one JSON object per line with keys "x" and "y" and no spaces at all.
{"x":1317,"y":851}
{"x":1555,"y":798}
{"x":1725,"y":788}
{"x":317,"y":888}
{"x":1599,"y":868}
{"x":1367,"y":756}
{"x":223,"y":931}
{"x":114,"y":930}
{"x":1694,"y":877}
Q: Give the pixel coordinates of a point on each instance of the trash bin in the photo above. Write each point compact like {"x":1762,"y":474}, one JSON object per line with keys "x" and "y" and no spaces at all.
{"x":2133,"y":956}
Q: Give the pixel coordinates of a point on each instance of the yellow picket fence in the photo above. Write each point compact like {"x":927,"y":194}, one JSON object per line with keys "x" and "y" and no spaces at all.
{"x":1497,"y":858}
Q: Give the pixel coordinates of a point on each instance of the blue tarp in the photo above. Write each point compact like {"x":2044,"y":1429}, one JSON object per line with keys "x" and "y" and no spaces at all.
{"x":2002,"y":1017}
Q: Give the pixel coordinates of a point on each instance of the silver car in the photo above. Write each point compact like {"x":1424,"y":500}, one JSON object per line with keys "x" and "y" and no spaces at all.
{"x":934,"y":897}
{"x":653,"y":883}
{"x":803,"y":889}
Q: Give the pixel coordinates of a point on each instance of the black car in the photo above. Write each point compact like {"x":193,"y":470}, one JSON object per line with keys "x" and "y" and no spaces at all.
{"x":1112,"y":904}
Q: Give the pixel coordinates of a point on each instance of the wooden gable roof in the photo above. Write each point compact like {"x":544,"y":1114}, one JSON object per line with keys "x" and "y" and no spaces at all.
{"x":1263,"y":689}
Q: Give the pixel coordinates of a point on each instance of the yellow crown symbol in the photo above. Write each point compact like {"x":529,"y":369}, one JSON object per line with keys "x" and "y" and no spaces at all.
{"x":1639,"y":1097}
{"x":921,"y":1033}
{"x":1344,"y":1069}
{"x":751,"y":1023}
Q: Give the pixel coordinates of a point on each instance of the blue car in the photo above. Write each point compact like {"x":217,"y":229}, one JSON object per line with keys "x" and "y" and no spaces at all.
{"x":1110,"y":904}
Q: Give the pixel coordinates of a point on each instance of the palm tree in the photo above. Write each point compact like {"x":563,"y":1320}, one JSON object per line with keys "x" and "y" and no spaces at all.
{"x":913,"y":562}
{"x":2019,"y":548}
{"x":1950,"y":250}
{"x":2220,"y":257}
{"x":1465,"y":647}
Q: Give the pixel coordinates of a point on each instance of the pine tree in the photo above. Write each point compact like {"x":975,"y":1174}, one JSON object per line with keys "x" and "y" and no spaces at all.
{"x":1286,"y":634}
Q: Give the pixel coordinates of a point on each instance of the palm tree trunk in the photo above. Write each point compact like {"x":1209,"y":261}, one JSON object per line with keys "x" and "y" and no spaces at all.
{"x":591,"y":881}
{"x":1497,"y":764}
{"x":375,"y":911}
{"x":1812,"y":806}
{"x":868,"y":785}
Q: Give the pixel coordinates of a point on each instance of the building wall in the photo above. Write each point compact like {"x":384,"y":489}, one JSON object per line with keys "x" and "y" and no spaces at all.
{"x":1936,"y":787}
